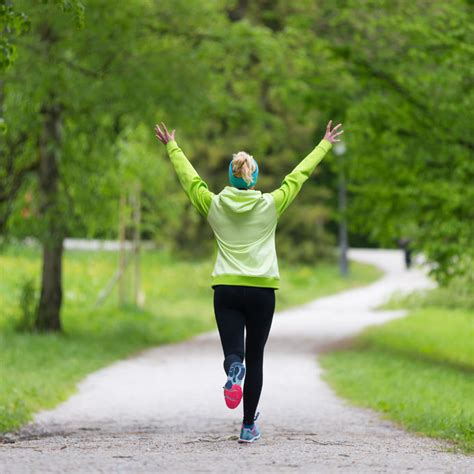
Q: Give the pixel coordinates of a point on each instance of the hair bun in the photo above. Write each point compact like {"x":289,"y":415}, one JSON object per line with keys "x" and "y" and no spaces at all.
{"x":243,"y":165}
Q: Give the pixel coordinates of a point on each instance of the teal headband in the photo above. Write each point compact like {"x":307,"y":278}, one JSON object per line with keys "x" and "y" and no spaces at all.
{"x":240,"y":182}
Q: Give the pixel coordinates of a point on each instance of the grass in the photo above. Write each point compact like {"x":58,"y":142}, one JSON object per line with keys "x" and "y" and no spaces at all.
{"x":40,"y":370}
{"x":418,"y":370}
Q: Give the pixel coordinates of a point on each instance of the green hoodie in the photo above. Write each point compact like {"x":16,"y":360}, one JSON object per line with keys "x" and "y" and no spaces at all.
{"x":244,"y":221}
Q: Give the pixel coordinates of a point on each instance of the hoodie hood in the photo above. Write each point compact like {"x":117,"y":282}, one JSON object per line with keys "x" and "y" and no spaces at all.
{"x":239,"y":200}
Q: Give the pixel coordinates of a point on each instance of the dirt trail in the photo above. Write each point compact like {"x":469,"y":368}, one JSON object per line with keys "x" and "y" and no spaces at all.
{"x":141,"y":415}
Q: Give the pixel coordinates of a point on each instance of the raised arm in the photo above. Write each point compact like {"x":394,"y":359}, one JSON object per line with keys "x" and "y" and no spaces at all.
{"x":293,"y":182}
{"x":194,"y":187}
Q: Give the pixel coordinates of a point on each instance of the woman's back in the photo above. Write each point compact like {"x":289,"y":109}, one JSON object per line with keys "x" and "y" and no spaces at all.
{"x":244,"y":224}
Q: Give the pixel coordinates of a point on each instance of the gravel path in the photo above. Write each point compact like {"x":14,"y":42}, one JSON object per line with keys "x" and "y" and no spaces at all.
{"x":141,"y":415}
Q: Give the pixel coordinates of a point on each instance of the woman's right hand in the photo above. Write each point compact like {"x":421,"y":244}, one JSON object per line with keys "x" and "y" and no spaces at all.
{"x":331,"y":135}
{"x":163,"y":135}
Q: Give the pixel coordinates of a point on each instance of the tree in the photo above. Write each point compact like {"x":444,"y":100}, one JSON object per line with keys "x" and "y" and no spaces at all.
{"x":409,"y":124}
{"x":68,"y":105}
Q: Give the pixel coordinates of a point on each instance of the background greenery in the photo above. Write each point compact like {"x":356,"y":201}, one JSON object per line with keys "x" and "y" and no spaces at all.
{"x":82,"y":84}
{"x":260,"y":76}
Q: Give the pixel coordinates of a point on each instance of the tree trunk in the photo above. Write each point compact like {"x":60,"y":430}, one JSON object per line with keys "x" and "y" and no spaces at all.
{"x":48,"y":316}
{"x":48,"y":313}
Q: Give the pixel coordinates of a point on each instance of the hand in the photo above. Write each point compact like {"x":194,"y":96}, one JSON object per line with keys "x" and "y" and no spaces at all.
{"x":331,"y":135}
{"x":164,"y":136}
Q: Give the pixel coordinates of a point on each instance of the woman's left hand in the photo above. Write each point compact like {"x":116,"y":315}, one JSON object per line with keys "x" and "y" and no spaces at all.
{"x":163,"y":135}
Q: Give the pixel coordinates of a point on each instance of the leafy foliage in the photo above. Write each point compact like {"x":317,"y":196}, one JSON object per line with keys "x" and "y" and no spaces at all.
{"x":11,"y":22}
{"x":259,"y":76}
{"x":409,"y":131}
{"x":110,"y":74}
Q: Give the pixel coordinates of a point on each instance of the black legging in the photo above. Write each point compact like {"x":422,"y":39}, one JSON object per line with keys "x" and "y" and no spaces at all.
{"x":237,"y":307}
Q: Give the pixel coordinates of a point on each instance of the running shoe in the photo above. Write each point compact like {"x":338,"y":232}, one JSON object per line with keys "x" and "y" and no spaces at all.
{"x":250,"y":433}
{"x":233,"y":388}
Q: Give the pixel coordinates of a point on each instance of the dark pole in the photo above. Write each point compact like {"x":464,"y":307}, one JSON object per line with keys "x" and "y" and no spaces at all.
{"x":343,"y":239}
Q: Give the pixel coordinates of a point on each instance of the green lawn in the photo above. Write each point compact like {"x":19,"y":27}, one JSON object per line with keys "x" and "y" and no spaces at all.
{"x":38,"y":371}
{"x":418,"y":371}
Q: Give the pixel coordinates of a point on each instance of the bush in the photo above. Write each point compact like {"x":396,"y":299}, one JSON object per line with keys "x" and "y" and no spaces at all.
{"x":28,"y":302}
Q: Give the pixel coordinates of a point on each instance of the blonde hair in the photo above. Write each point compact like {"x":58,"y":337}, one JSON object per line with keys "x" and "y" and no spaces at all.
{"x":243,"y":165}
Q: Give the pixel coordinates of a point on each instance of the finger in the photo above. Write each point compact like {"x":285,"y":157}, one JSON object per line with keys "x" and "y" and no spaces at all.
{"x":158,"y":127}
{"x":328,"y":128}
{"x":172,"y":133}
{"x":336,"y":127}
{"x":166,"y":130}
{"x":338,"y":133}
{"x":336,"y":140}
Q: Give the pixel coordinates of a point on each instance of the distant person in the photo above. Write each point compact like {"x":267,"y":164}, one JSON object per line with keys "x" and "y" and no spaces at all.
{"x":404,"y":244}
{"x":245,"y":274}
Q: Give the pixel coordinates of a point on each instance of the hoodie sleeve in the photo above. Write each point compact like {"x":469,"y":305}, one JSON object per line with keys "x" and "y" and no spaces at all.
{"x":291,"y":185}
{"x":195,"y":188}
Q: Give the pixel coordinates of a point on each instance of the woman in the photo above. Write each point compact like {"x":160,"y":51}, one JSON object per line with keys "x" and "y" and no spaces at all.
{"x":245,"y":274}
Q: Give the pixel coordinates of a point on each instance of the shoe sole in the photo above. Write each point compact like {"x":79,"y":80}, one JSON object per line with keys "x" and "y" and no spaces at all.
{"x":236,"y":374}
{"x":233,"y":396}
{"x":232,"y":388}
